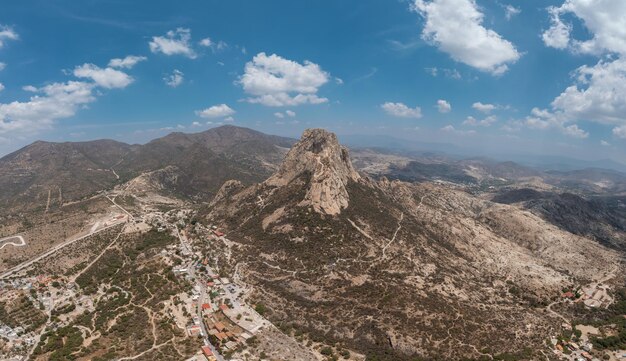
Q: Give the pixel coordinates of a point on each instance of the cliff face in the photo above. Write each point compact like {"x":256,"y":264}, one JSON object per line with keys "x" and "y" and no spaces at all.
{"x":327,"y":164}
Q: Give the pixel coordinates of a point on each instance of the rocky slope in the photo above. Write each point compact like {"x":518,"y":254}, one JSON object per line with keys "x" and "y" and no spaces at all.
{"x":319,"y":156}
{"x":395,"y":270}
{"x":599,"y":218}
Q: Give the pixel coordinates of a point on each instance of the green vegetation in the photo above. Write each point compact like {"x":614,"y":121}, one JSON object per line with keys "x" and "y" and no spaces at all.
{"x":617,"y":317}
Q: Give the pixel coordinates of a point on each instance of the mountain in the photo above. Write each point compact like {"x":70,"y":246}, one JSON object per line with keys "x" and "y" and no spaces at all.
{"x":599,"y":218}
{"x":394,"y":270}
{"x":196,"y":164}
{"x":47,"y":174}
{"x":203,"y":161}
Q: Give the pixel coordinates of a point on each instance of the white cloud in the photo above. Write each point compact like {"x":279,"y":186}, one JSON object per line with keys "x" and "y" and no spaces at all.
{"x":107,"y":78}
{"x":29,"y":88}
{"x":53,"y":101}
{"x":486,"y":122}
{"x":599,"y":94}
{"x":575,"y":132}
{"x":510,"y":11}
{"x":620,"y":131}
{"x":290,"y":113}
{"x":599,"y":91}
{"x":455,"y":27}
{"x":276,"y":81}
{"x":605,"y":20}
{"x":127,"y":62}
{"x":7,"y":33}
{"x":206,"y":42}
{"x":450,"y":129}
{"x":229,"y":119}
{"x":216,"y":111}
{"x":1,"y":87}
{"x":214,"y":46}
{"x":175,"y":79}
{"x":175,"y":42}
{"x":604,"y":143}
{"x":2,"y":66}
{"x":443,"y":106}
{"x":401,"y":110}
{"x":545,"y":119}
{"x":557,"y":36}
{"x":484,"y":108}
{"x":196,"y":124}
{"x":279,"y":115}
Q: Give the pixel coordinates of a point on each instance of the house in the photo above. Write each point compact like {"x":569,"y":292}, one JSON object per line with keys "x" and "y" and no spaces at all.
{"x":569,"y":294}
{"x":194,"y":330}
{"x":224,"y":307}
{"x":224,"y":280}
{"x":206,"y":350}
{"x":587,"y":356}
{"x":219,"y":326}
{"x":218,"y":233}
{"x":221,"y":336}
{"x":206,"y":306}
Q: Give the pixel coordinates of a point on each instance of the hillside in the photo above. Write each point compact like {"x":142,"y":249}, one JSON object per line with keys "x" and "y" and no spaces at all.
{"x":202,"y":163}
{"x":395,"y":270}
{"x":45,"y":173}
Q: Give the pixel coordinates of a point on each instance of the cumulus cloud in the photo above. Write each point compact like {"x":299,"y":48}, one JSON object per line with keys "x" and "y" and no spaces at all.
{"x":127,"y":62}
{"x":456,"y":28}
{"x":290,"y":113}
{"x":7,"y":33}
{"x":216,"y":111}
{"x":1,"y":87}
{"x":59,"y":100}
{"x":510,"y":11}
{"x":52,"y":102}
{"x":175,"y":79}
{"x":207,"y":42}
{"x":279,"y":115}
{"x":443,"y":106}
{"x":620,"y":131}
{"x":214,"y":46}
{"x":107,"y":78}
{"x":401,"y":110}
{"x":175,"y":42}
{"x":2,"y":66}
{"x":484,"y":108}
{"x":604,"y":143}
{"x":545,"y":119}
{"x":605,"y":19}
{"x":557,"y":36}
{"x":599,"y":94}
{"x":486,"y":122}
{"x":276,"y":81}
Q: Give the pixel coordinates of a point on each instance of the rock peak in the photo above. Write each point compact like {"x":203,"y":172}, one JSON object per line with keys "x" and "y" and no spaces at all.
{"x":319,"y":154}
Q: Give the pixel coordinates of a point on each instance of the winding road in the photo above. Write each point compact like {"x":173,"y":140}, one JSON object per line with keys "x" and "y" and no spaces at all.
{"x":6,"y":241}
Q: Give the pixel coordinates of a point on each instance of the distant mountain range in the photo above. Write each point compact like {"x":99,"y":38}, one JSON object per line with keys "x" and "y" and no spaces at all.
{"x":45,"y":175}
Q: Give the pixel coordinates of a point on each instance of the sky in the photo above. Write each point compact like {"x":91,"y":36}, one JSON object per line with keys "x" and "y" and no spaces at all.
{"x":489,"y":77}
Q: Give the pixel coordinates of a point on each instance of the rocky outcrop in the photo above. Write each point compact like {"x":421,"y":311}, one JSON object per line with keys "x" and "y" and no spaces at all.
{"x":319,"y":157}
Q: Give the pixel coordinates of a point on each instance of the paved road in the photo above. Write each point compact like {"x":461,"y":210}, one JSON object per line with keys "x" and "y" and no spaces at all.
{"x":21,"y":266}
{"x":6,"y":241}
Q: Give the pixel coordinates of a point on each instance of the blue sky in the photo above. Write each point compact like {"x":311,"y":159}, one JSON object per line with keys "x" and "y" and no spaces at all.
{"x":491,"y":77}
